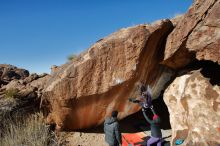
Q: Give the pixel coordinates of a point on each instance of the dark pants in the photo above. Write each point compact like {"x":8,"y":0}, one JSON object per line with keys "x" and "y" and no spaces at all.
{"x":116,"y":144}
{"x":153,"y":140}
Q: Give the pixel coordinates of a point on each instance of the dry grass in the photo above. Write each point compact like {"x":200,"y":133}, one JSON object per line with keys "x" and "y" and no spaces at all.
{"x":31,"y":131}
{"x":11,"y":93}
{"x":72,"y":57}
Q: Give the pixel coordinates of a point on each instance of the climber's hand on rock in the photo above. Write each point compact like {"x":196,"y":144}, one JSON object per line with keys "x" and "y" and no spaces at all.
{"x":134,"y":100}
{"x":131,"y":99}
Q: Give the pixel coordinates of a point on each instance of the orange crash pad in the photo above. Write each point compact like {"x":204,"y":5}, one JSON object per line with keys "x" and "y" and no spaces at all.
{"x":133,"y":139}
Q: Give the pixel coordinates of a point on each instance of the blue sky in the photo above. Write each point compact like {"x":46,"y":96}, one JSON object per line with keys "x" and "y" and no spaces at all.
{"x":35,"y":34}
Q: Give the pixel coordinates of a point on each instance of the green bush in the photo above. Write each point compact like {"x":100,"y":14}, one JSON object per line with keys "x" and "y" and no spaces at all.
{"x":72,"y":57}
{"x":11,"y":93}
{"x":31,"y":131}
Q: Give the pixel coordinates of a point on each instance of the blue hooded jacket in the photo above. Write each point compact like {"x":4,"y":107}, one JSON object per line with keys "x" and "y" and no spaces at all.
{"x":112,"y":132}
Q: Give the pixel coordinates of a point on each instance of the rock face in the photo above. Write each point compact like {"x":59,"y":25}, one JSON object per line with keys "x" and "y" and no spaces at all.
{"x":193,"y":100}
{"x":197,"y":34}
{"x":205,"y":38}
{"x":83,"y":92}
{"x":194,"y":107}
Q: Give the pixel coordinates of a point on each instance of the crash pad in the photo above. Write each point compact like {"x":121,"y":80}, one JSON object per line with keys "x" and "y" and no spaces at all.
{"x":133,"y":139}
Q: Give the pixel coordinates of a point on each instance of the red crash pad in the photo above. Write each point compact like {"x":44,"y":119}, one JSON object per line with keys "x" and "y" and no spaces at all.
{"x":133,"y":139}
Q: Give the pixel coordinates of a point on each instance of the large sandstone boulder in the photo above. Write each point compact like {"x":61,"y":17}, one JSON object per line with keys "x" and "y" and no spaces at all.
{"x":194,"y":107}
{"x":193,"y":100}
{"x":205,"y":37}
{"x":195,"y":36}
{"x":83,"y":92}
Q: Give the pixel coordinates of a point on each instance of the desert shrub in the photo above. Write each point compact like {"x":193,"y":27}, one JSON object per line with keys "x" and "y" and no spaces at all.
{"x":31,"y":131}
{"x":11,"y":93}
{"x":72,"y":57}
{"x":178,"y":15}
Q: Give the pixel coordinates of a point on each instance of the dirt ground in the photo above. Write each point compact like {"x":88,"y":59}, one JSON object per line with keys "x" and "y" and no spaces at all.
{"x":83,"y":139}
{"x":95,"y":137}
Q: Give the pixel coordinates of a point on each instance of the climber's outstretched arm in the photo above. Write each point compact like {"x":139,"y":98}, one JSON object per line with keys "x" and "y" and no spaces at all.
{"x":146,"y":117}
{"x":134,"y":100}
{"x":152,"y":109}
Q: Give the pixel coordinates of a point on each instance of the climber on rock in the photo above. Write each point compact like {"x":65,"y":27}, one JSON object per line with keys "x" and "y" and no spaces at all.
{"x":146,"y":102}
{"x":156,"y":134}
{"x":146,"y":98}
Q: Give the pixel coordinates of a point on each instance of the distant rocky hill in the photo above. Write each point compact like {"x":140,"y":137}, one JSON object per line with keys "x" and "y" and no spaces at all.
{"x":179,"y":56}
{"x":20,"y":92}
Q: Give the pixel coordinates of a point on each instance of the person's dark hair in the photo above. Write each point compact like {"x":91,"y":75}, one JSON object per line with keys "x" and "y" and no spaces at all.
{"x":115,"y":114}
{"x":142,"y":89}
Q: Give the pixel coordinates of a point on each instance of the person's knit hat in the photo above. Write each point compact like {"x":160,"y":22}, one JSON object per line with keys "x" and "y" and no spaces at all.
{"x":114,"y":113}
{"x":155,"y":117}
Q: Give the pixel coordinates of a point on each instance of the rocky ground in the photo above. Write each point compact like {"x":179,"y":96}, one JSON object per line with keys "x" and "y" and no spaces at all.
{"x":95,"y":137}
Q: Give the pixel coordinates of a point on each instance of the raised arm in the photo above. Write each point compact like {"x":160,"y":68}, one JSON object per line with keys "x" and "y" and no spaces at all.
{"x":152,"y":109}
{"x":146,"y":117}
{"x":134,"y":100}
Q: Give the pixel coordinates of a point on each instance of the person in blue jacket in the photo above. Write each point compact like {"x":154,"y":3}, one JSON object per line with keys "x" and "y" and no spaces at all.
{"x":112,"y":132}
